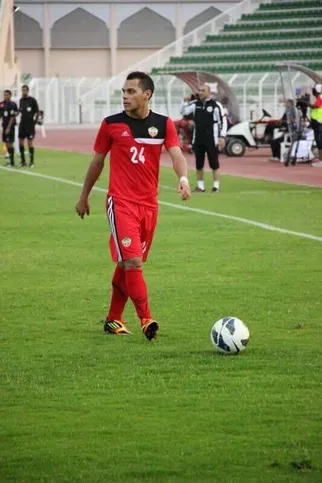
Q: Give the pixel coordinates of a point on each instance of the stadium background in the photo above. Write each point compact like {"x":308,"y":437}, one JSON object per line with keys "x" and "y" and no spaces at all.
{"x":78,"y":53}
{"x":81,"y":36}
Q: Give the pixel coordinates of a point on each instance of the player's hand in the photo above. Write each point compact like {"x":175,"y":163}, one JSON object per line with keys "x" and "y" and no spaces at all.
{"x":7,"y":131}
{"x":184,"y":190}
{"x":82,"y":208}
{"x":222,"y":143}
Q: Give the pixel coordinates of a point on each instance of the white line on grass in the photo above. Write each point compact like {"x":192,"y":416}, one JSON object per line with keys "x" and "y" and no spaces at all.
{"x":183,"y":207}
{"x":251,"y":192}
{"x":280,"y":192}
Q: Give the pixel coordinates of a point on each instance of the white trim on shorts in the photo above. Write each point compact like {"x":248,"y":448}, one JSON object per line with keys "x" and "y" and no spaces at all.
{"x":111,"y":219}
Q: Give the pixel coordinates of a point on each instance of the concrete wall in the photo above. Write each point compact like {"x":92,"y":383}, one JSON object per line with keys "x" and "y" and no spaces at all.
{"x":9,"y":67}
{"x":97,"y":38}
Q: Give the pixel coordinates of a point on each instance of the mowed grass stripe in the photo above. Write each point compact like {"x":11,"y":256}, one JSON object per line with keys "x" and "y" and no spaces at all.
{"x":184,"y":207}
{"x":81,"y":407}
{"x":279,"y":207}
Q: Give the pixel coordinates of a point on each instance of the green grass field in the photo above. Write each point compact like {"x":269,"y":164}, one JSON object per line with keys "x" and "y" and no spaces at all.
{"x":80,"y":406}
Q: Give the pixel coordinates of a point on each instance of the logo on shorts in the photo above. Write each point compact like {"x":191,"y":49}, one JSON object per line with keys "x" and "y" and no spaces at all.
{"x":153,"y":131}
{"x":209,"y":109}
{"x":126,"y":242}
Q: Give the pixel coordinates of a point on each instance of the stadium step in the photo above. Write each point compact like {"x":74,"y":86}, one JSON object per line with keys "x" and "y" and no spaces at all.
{"x":251,"y":51}
{"x":278,"y":20}
{"x":272,"y":14}
{"x":290,"y":5}
{"x":267,"y":35}
{"x":268,"y":26}
{"x":260,"y":44}
{"x":302,"y":32}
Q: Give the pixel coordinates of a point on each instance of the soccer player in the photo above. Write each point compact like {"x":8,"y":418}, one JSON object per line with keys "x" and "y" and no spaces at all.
{"x":8,"y":112}
{"x":29,"y":111}
{"x":134,"y":138}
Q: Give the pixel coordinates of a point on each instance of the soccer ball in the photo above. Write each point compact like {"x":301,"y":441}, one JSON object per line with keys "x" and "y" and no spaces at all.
{"x":229,"y":335}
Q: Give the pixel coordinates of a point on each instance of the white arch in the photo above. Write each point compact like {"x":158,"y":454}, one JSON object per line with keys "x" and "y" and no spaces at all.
{"x":36,"y":12}
{"x":125,"y":11}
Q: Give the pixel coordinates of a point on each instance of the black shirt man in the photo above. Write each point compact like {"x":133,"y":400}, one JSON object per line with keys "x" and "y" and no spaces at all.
{"x":8,"y":113}
{"x":28,"y":108}
{"x":209,"y":134}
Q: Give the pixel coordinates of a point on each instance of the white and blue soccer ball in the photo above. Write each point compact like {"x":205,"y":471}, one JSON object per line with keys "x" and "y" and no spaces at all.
{"x":229,"y":335}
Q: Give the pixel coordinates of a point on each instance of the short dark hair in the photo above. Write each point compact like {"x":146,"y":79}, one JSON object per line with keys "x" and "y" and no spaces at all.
{"x":7,"y":91}
{"x":25,"y":87}
{"x":145,"y":81}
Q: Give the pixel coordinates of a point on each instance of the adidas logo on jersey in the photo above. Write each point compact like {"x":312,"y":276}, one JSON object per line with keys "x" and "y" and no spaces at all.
{"x":125,"y":134}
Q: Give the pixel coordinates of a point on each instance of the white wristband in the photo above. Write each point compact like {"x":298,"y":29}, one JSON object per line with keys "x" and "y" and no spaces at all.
{"x":184,"y":179}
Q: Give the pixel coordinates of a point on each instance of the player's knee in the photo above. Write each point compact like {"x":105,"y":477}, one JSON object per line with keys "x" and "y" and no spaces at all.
{"x":135,"y":262}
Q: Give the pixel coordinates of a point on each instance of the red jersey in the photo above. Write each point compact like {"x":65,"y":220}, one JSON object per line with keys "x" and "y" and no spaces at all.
{"x":135,"y":146}
{"x":318,"y":102}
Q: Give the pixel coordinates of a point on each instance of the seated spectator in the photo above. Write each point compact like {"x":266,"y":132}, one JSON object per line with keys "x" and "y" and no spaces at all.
{"x":287,"y":123}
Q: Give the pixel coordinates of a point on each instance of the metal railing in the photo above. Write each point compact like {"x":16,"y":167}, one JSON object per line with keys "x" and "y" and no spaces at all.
{"x":60,"y":97}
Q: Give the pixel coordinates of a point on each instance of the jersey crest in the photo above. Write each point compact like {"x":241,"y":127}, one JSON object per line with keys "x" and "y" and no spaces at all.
{"x":153,"y":131}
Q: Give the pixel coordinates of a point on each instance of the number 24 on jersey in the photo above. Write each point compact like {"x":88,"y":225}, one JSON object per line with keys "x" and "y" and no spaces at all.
{"x":137,"y":155}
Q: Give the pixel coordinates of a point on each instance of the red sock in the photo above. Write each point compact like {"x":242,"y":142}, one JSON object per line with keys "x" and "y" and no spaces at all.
{"x":137,"y":291}
{"x":119,"y":294}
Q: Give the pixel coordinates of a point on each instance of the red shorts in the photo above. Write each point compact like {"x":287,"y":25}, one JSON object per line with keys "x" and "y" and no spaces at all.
{"x":132,"y":228}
